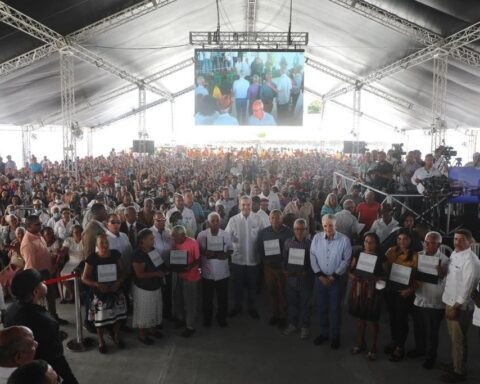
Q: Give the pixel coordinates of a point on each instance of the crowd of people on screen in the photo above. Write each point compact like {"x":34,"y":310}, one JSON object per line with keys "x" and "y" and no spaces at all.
{"x":189,"y":231}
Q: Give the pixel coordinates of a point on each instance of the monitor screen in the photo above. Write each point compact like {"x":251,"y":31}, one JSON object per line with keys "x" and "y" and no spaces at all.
{"x":249,"y":87}
{"x":464,"y":185}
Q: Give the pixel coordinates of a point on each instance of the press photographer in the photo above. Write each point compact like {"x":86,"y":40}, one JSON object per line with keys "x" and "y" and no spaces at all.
{"x":382,"y":174}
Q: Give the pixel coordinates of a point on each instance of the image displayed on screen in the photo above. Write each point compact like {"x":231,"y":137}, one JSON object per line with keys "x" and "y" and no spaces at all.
{"x":464,"y":185}
{"x":249,"y":87}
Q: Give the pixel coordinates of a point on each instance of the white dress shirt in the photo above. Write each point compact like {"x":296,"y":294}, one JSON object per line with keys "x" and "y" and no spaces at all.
{"x":264,"y":217}
{"x":284,"y":86}
{"x":240,"y":88}
{"x":421,"y":174}
{"x":214,"y":269}
{"x":347,"y":223}
{"x":5,"y":373}
{"x":121,"y":243}
{"x":429,"y":295}
{"x":188,"y":218}
{"x":462,"y":277}
{"x":273,"y":200}
{"x":62,"y":230}
{"x":244,"y":232}
{"x":163,"y":241}
{"x":383,"y":230}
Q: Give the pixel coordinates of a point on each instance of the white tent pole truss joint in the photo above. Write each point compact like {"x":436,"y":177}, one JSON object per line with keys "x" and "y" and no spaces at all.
{"x":26,"y":24}
{"x":103,"y":25}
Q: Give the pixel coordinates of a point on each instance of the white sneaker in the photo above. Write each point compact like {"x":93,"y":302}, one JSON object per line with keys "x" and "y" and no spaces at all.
{"x":289,"y":330}
{"x":304,"y":333}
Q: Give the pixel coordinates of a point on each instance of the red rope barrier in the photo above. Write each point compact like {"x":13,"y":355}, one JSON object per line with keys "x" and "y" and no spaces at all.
{"x":60,"y":278}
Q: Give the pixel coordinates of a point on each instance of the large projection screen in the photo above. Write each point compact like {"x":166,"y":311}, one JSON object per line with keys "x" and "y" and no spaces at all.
{"x":249,"y":87}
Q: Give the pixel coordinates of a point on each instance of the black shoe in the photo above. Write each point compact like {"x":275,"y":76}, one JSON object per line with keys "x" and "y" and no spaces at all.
{"x":319,"y":340}
{"x":273,"y":321}
{"x":253,"y":314}
{"x":234,"y":312}
{"x":222,"y":323}
{"x":188,"y":332}
{"x":61,"y":321}
{"x":103,"y":349}
{"x":335,"y":344}
{"x":207,"y":323}
{"x":282,"y":323}
{"x":414,"y":353}
{"x":429,"y":363}
{"x":389,"y":349}
{"x":90,"y":327}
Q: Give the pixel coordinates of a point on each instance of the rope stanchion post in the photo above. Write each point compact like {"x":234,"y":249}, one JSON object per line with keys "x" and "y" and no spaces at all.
{"x":79,"y":343}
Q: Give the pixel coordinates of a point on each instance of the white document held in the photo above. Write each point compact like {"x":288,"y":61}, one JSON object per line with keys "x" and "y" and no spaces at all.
{"x":428,"y":264}
{"x":272,"y":247}
{"x":107,"y":273}
{"x":155,"y":257}
{"x":366,"y":262}
{"x":178,"y":257}
{"x":400,"y":274}
{"x":215,"y":243}
{"x":296,"y":256}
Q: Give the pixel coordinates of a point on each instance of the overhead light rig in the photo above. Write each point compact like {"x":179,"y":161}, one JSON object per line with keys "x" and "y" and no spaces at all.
{"x":250,"y":38}
{"x":279,"y":40}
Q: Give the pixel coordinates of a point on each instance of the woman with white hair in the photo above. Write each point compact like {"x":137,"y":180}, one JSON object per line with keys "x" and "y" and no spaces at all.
{"x":331,"y":205}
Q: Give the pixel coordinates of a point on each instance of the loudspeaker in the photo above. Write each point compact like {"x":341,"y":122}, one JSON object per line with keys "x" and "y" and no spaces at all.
{"x":144,"y":146}
{"x":354,"y":147}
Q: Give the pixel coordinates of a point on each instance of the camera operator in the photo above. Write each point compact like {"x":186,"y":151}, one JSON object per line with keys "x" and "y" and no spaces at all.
{"x":442,"y":156}
{"x":382,"y":173}
{"x":476,"y":161}
{"x":424,"y":172}
{"x":407,"y":169}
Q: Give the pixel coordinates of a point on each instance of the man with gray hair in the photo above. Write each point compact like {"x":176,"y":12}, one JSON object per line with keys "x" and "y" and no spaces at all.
{"x":17,"y":347}
{"x":429,"y":309}
{"x":330,"y":255}
{"x":346,"y":222}
{"x":244,"y":229}
{"x":215,"y":247}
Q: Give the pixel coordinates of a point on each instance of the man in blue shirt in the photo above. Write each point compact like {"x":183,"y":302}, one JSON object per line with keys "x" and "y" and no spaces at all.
{"x":259,"y":116}
{"x":330,"y":255}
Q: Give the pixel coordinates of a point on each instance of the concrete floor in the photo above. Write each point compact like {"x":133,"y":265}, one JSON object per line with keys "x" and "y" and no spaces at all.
{"x":250,"y":351}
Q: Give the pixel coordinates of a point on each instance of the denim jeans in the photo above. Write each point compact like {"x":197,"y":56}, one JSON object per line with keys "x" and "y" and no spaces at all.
{"x":328,"y":302}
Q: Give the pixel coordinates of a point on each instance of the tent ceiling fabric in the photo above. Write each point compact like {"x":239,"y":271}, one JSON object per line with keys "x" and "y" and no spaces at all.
{"x":338,"y":37}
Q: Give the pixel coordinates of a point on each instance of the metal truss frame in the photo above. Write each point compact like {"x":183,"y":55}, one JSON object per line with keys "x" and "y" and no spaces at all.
{"x":251,"y":15}
{"x":418,"y":33}
{"x":349,"y":108}
{"x":111,"y":95}
{"x":357,"y":115}
{"x":457,"y":40}
{"x":352,"y":80}
{"x":284,"y":40}
{"x":142,"y":119}
{"x":26,"y":143}
{"x":67,"y":80}
{"x":83,"y":34}
{"x":26,"y":24}
{"x":147,"y":106}
{"x":439,"y":100}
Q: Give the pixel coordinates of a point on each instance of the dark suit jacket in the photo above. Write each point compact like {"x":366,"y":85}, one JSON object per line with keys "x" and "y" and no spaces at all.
{"x":89,"y":237}
{"x":138,"y":228}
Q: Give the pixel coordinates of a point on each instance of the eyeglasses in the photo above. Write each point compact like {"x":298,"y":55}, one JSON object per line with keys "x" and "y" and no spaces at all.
{"x":115,"y":222}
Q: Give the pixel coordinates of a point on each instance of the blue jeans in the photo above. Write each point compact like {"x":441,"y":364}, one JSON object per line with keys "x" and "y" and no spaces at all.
{"x":299,"y":292}
{"x":328,"y":302}
{"x":245,"y":277}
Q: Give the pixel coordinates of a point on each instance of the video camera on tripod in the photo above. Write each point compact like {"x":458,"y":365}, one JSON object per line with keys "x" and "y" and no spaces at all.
{"x":436,"y":186}
{"x":446,"y":152}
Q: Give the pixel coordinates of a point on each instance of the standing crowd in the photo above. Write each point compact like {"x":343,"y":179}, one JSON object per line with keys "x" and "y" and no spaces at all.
{"x":187,"y":231}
